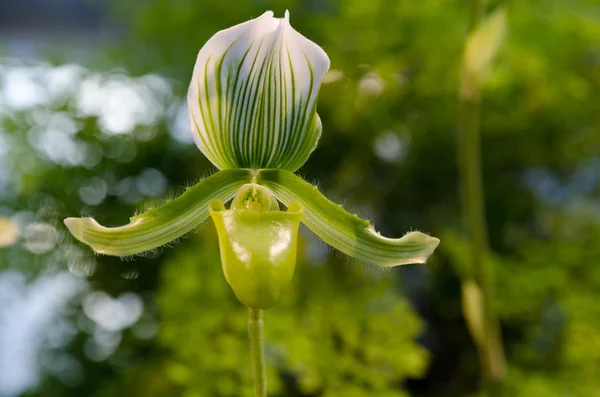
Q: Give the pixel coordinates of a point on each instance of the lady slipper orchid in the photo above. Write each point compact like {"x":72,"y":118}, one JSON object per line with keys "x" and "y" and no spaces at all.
{"x":252,"y":109}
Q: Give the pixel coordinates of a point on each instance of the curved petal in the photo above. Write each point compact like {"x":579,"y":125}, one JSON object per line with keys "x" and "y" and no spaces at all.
{"x":344,"y":231}
{"x":161,"y":225}
{"x":252,"y":99}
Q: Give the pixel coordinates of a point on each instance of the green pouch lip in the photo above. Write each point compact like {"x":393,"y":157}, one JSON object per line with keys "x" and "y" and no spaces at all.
{"x":258,"y":250}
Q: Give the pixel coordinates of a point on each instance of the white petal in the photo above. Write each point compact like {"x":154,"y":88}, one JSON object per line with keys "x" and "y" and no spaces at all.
{"x":252,"y":99}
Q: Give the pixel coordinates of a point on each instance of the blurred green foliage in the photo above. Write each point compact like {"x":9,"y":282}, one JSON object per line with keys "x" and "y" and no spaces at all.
{"x":317,"y":343}
{"x":343,"y":330}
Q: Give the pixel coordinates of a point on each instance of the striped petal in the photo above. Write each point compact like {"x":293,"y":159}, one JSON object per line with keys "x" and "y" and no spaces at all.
{"x":161,"y":225}
{"x":252,"y":99}
{"x":344,"y":231}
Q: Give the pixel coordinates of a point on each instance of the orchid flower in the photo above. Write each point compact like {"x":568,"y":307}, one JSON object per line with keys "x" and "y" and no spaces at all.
{"x":252,"y":109}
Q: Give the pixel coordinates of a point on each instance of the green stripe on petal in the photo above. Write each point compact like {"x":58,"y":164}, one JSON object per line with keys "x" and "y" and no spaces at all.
{"x":344,"y":231}
{"x":161,"y":225}
{"x":253,"y":96}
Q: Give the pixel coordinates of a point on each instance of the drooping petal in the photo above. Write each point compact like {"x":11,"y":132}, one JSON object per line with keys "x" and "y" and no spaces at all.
{"x":344,"y":231}
{"x":252,"y":99}
{"x":161,"y":225}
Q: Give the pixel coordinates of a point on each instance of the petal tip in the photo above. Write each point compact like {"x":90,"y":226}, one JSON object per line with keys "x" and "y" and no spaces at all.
{"x":428,"y":243}
{"x":77,"y":227}
{"x":434,"y":242}
{"x":74,"y":224}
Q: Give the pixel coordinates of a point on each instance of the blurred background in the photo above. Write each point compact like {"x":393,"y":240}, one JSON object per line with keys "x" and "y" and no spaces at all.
{"x":93,"y":123}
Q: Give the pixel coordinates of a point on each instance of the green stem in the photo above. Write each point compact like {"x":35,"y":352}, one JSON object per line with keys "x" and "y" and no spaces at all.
{"x":257,"y":348}
{"x":491,"y":349}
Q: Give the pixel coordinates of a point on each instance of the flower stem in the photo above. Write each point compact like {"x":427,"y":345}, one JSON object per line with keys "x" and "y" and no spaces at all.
{"x":257,"y":348}
{"x":491,"y":349}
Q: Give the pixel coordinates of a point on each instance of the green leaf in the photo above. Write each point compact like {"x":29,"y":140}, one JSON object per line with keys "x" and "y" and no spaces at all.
{"x":161,"y":225}
{"x":473,"y":310}
{"x":487,"y":337}
{"x":344,"y":231}
{"x":253,"y":96}
{"x":485,"y":42}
